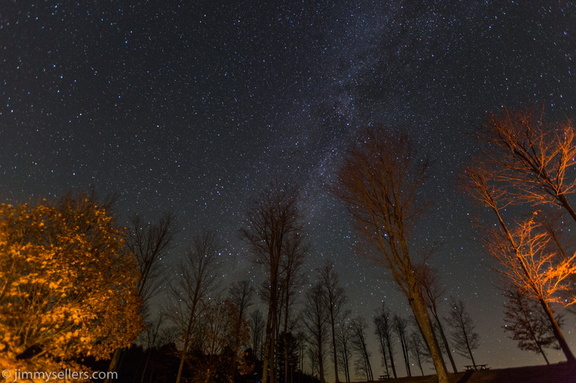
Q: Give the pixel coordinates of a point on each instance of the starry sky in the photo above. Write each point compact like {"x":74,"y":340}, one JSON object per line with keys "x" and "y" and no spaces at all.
{"x":191,"y":107}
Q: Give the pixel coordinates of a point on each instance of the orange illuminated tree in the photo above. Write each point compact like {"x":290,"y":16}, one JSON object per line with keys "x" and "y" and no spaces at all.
{"x":532,"y":158}
{"x":68,"y":284}
{"x":523,"y":252}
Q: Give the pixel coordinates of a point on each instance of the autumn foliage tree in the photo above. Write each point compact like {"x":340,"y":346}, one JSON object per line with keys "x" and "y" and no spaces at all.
{"x":379,"y":183}
{"x":68,"y":284}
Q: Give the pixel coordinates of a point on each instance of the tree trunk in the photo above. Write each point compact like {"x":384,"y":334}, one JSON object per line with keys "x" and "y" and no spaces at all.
{"x":114,"y":362}
{"x":423,"y":319}
{"x":543,"y":354}
{"x":566,"y":204}
{"x":269,"y":368}
{"x":557,"y":332}
{"x":391,"y":358}
{"x":445,"y":342}
{"x":333,"y":325}
{"x":383,"y":350}
{"x":321,"y":362}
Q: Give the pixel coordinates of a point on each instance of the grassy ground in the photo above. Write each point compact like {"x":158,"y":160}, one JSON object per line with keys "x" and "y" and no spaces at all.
{"x":556,"y":373}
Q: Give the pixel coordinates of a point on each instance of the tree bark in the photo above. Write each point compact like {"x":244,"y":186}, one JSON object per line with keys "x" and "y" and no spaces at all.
{"x":423,"y":319}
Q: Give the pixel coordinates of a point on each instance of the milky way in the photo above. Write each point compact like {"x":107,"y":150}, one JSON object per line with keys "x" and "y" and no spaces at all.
{"x":192,"y":106}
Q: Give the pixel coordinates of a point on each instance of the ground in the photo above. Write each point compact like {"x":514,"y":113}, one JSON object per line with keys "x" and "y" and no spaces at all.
{"x":555,"y":373}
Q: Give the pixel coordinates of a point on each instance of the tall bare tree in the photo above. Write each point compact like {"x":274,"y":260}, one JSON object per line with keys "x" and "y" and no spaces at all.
{"x":316,"y":322}
{"x":257,"y":325}
{"x":241,"y":295}
{"x":291,"y":279}
{"x":335,"y":299}
{"x":379,"y":183}
{"x":360,"y":344}
{"x":432,"y":291}
{"x":528,"y":324}
{"x":197,"y":279}
{"x":418,"y":350}
{"x":150,"y":243}
{"x":344,"y":340}
{"x":383,"y":323}
{"x":274,"y":231}
{"x":465,"y":338}
{"x":400,"y":327}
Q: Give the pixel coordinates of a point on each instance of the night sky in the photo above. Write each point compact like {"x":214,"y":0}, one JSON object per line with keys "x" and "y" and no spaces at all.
{"x":193,"y":106}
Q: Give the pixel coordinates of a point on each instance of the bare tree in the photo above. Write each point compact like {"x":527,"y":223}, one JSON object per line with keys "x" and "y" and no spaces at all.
{"x":383,"y":324}
{"x":241,"y":295}
{"x":273,"y":231}
{"x":335,"y":299}
{"x":212,"y":357}
{"x":400,"y":325}
{"x":360,"y":344}
{"x":291,"y":278}
{"x":196,"y":281}
{"x":528,"y":324}
{"x":465,"y":338}
{"x":418,"y":350}
{"x":523,"y":252}
{"x":344,"y":341}
{"x":155,"y":335}
{"x":149,"y":242}
{"x":432,"y":292}
{"x":257,"y":325}
{"x":532,"y":157}
{"x":379,"y":183}
{"x":316,"y":322}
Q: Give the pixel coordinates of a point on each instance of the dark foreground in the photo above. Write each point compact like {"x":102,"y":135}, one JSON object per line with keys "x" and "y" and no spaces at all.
{"x":555,"y":373}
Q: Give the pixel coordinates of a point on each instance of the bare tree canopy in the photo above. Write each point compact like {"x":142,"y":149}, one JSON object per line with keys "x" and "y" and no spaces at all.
{"x":465,"y":338}
{"x":360,"y":344}
{"x":384,"y":329}
{"x":316,"y":323}
{"x":335,"y":299}
{"x":197,"y":279}
{"x":400,"y":327}
{"x":150,"y":242}
{"x":274,"y":232}
{"x":527,"y":323}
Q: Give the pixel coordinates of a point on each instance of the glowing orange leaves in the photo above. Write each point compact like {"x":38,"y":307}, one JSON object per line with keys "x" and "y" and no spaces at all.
{"x":67,"y":282}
